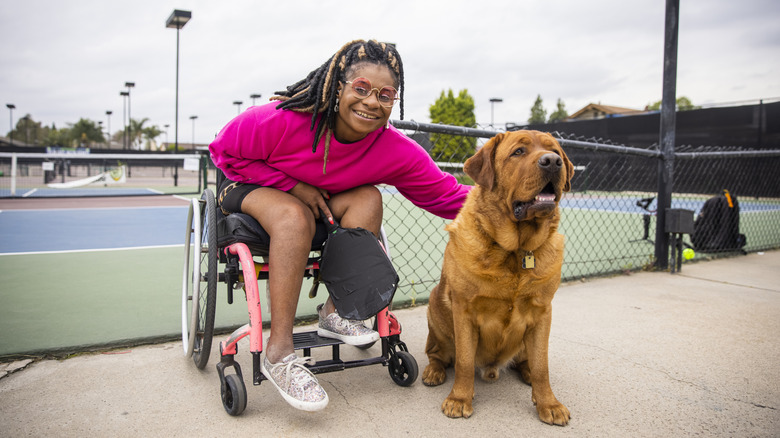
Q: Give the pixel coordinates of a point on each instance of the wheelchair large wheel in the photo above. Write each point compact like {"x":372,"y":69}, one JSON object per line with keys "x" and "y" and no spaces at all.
{"x":199,"y":283}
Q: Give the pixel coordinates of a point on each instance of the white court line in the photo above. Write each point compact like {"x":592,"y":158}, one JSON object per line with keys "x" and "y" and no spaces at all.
{"x":29,"y":193}
{"x":70,"y":251}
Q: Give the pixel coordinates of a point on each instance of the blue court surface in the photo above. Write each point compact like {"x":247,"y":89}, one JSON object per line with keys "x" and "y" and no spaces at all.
{"x":90,"y":228}
{"x":24,"y":231}
{"x":77,"y":192}
{"x":629,"y":205}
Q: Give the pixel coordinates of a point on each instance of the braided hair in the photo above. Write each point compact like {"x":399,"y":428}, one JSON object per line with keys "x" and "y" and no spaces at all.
{"x":318,"y":92}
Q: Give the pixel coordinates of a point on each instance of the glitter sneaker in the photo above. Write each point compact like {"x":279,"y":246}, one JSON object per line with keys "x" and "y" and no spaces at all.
{"x":346,"y":330}
{"x":296,"y":383}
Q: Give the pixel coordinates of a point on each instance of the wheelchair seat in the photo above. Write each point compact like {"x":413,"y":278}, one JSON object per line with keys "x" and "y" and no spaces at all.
{"x":242,"y":228}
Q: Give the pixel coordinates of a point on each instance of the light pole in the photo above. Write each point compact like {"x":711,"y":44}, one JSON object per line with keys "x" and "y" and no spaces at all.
{"x":193,"y":131}
{"x":166,"y":135}
{"x":255,"y":96}
{"x":125,"y":95}
{"x":177,"y":20}
{"x":238,"y":104}
{"x":129,"y":85}
{"x":493,"y":101}
{"x":108,"y":115}
{"x":11,"y":108}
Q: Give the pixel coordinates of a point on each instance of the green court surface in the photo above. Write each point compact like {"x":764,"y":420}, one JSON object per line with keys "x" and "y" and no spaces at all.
{"x":55,"y":302}
{"x":62,"y":302}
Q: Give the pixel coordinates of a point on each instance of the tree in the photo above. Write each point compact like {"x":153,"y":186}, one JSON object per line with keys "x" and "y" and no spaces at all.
{"x":682,"y":103}
{"x":538,"y":113}
{"x":458,"y":111}
{"x":136,"y":132}
{"x":28,"y":131}
{"x":85,"y":133}
{"x":57,"y":137}
{"x":150,"y":133}
{"x":560,"y":113}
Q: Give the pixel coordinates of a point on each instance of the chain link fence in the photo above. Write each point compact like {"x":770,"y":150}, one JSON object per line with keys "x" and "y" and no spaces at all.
{"x":609,"y":216}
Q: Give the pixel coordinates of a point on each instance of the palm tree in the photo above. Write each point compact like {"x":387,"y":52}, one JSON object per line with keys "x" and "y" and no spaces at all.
{"x":150,"y":134}
{"x":136,"y":132}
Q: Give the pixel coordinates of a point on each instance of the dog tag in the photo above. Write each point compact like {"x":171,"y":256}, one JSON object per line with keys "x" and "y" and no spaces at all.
{"x":529,"y":261}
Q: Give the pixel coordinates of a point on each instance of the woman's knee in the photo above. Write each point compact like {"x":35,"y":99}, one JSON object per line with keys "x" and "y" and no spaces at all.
{"x":367,"y":198}
{"x":294,"y":218}
{"x":279,"y":213}
{"x":359,"y":207}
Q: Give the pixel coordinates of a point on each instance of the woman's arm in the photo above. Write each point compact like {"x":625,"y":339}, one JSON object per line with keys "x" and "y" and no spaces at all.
{"x":242,"y":148}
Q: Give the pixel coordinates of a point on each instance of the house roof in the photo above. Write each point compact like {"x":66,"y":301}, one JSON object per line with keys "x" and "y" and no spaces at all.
{"x":606,"y":109}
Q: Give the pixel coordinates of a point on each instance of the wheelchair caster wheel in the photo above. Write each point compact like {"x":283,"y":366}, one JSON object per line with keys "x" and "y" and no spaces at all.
{"x":403,"y":368}
{"x":234,"y":395}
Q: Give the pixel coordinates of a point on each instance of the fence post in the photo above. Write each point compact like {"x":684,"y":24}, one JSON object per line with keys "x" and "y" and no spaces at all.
{"x":667,"y":134}
{"x":204,"y":168}
{"x":13,"y":174}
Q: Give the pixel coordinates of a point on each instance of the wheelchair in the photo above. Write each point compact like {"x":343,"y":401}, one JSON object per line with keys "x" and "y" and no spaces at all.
{"x":233,"y":242}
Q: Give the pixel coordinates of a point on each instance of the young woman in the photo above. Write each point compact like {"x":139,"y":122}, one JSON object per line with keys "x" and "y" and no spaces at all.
{"x":325,"y":146}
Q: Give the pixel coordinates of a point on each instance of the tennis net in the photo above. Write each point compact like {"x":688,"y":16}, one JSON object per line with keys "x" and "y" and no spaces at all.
{"x":24,"y":175}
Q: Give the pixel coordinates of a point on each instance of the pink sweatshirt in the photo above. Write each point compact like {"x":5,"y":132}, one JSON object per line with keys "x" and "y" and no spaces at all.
{"x":272,"y":148}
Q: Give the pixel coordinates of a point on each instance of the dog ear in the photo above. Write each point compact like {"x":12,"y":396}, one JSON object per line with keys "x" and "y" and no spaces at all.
{"x":480,"y":166}
{"x":569,"y":171}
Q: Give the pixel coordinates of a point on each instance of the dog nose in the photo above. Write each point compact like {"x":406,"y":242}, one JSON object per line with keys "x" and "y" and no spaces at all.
{"x":550,"y":162}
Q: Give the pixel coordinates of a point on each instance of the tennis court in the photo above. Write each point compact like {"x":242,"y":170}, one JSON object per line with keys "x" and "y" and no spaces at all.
{"x":45,"y":192}
{"x":89,"y":229}
{"x":88,"y":271}
{"x":83,"y":174}
{"x":102,"y":271}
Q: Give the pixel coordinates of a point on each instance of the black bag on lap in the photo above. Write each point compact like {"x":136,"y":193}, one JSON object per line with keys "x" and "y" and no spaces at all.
{"x":355,"y":268}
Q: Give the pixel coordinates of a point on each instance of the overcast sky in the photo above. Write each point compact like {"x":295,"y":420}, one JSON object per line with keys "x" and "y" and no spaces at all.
{"x":66,"y":60}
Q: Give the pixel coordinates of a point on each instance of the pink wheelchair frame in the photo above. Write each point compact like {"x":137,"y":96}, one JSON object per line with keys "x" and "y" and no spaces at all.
{"x":235,"y":249}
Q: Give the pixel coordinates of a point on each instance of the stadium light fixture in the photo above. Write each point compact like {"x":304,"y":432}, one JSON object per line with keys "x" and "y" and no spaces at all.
{"x":493,"y":101}
{"x":108,"y":115}
{"x":11,"y":108}
{"x":238,"y":104}
{"x":177,"y":20}
{"x":255,"y":96}
{"x":193,"y":131}
{"x":129,"y":85}
{"x":124,"y":95}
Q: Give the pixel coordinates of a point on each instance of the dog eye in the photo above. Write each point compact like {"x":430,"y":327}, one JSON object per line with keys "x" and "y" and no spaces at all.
{"x":519,"y":151}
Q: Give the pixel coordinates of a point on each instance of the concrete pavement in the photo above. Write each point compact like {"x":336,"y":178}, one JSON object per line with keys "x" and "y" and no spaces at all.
{"x":647,"y":354}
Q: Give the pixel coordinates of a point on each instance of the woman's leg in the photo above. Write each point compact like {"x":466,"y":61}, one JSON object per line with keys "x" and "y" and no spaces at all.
{"x":291,"y":227}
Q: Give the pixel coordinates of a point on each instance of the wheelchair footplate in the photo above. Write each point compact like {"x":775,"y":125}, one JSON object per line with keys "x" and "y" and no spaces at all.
{"x":402,"y":366}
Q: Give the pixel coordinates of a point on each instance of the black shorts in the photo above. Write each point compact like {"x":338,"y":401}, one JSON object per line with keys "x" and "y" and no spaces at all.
{"x":232,"y":194}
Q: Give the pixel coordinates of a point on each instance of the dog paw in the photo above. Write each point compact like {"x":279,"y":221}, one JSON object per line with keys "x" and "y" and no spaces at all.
{"x":555,"y":413}
{"x":455,"y":408}
{"x":433,"y":375}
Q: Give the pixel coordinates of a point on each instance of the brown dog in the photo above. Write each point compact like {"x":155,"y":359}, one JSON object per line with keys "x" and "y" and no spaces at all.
{"x":502,"y":266}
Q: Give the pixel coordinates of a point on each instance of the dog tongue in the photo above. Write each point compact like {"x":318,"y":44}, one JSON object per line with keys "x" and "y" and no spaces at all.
{"x":545,"y":198}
